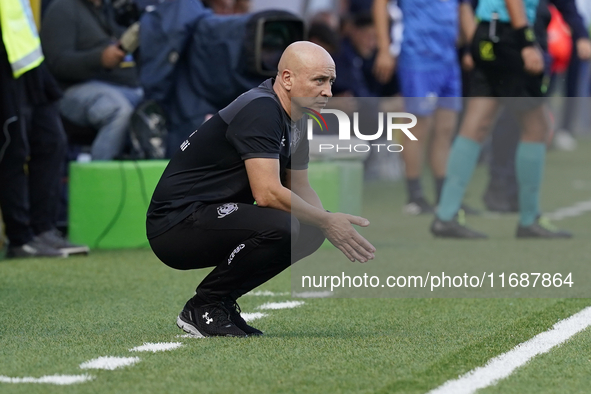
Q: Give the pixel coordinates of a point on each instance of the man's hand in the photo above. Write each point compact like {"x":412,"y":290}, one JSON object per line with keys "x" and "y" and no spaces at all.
{"x":340,"y":232}
{"x":584,"y":48}
{"x":467,"y":62}
{"x":384,"y":65}
{"x":112,"y":56}
{"x":533,"y":60}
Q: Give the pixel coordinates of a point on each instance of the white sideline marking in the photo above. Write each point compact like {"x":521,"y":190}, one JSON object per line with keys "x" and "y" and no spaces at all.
{"x":574,"y":210}
{"x":53,"y":379}
{"x":156,"y":347}
{"x":252,"y":316}
{"x":314,"y":294}
{"x":281,"y":305}
{"x":502,"y":366}
{"x":265,"y":293}
{"x":109,"y":362}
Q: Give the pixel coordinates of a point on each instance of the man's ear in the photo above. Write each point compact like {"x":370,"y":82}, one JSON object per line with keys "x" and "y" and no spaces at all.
{"x":287,"y":79}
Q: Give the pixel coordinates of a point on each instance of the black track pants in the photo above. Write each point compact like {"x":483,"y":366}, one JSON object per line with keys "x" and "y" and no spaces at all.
{"x":248,"y":246}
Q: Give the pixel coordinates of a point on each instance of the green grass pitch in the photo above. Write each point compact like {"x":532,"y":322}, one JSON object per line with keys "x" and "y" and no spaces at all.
{"x":57,"y":314}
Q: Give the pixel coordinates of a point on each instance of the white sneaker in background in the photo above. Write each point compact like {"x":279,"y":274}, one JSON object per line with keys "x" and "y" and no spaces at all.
{"x":84,"y":158}
{"x":563,"y":140}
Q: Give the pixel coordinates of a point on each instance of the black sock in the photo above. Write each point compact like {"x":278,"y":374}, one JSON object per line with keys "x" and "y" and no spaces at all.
{"x":438,"y":187}
{"x":415,"y":191}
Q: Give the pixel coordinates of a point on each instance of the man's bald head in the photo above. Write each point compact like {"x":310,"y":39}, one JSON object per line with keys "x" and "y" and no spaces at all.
{"x":305,"y":75}
{"x":303,"y":54}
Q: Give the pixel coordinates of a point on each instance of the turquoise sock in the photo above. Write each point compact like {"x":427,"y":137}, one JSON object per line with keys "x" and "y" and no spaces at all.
{"x":529,"y":167}
{"x":462,"y":160}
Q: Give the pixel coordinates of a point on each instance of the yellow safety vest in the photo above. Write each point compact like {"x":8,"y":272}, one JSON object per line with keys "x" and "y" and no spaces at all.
{"x":20,"y":36}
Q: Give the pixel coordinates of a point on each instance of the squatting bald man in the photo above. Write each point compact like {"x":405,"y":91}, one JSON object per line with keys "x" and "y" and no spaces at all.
{"x":203,"y":211}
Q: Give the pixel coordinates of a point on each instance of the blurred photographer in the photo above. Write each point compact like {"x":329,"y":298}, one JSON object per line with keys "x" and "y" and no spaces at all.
{"x":81,"y":41}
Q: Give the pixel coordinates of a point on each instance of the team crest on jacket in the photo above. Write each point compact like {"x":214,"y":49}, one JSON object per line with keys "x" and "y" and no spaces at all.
{"x":226,"y":209}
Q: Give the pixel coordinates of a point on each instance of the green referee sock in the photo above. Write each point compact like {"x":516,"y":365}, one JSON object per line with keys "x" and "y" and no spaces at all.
{"x":463,"y":158}
{"x":529,"y":167}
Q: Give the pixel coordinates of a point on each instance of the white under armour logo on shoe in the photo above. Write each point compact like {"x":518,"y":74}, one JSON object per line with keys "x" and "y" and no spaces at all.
{"x":207,"y":318}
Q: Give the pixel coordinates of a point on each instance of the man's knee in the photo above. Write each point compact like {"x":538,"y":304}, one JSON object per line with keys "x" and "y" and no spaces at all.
{"x":110,"y":107}
{"x":479,"y":130}
{"x":444,"y":130}
{"x":535,"y":125}
{"x":309,"y":241}
{"x":283,"y":228}
{"x":316,"y":237}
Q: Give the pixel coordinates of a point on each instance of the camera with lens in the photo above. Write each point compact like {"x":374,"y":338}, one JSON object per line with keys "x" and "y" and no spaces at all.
{"x":126,"y":12}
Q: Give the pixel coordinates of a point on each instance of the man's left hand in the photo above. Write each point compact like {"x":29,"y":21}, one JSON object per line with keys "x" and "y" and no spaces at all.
{"x":584,"y":48}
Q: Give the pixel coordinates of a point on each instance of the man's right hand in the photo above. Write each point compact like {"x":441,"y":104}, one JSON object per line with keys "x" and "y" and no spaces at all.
{"x":340,"y":232}
{"x":467,"y":62}
{"x":584,"y":48}
{"x":384,"y":66}
{"x":112,"y":56}
{"x":533,"y":60}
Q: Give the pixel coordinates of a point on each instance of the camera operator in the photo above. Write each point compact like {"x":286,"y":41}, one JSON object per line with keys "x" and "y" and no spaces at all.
{"x":81,"y":42}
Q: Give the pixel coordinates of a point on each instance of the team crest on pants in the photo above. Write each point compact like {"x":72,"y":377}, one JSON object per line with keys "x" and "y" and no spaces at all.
{"x":226,"y":209}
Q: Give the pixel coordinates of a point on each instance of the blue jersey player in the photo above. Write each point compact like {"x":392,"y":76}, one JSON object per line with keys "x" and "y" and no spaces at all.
{"x":430,"y":81}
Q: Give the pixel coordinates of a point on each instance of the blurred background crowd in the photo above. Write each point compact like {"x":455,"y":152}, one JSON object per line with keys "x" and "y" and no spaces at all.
{"x":131,"y":79}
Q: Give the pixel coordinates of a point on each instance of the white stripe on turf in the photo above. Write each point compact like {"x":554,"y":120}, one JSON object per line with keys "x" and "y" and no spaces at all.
{"x":314,"y":294}
{"x":109,"y":362}
{"x":574,"y":210}
{"x":281,"y":305}
{"x":53,"y":379}
{"x":252,"y":316}
{"x":156,"y":347}
{"x":266,"y":293}
{"x":502,"y":366}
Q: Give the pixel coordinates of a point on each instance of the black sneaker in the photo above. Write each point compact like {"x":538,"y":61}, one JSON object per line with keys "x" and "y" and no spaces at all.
{"x":56,"y":240}
{"x":418,"y":206}
{"x":234,"y":309}
{"x":207,"y":321}
{"x":33,"y":248}
{"x":453,"y":229}
{"x":541,"y":228}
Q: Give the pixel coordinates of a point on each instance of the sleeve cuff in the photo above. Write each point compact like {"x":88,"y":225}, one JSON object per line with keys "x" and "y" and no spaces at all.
{"x":92,"y":59}
{"x":298,"y":167}
{"x":260,"y":156}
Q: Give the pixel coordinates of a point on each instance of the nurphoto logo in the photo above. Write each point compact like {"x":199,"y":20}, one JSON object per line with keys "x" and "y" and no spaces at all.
{"x":392,"y":122}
